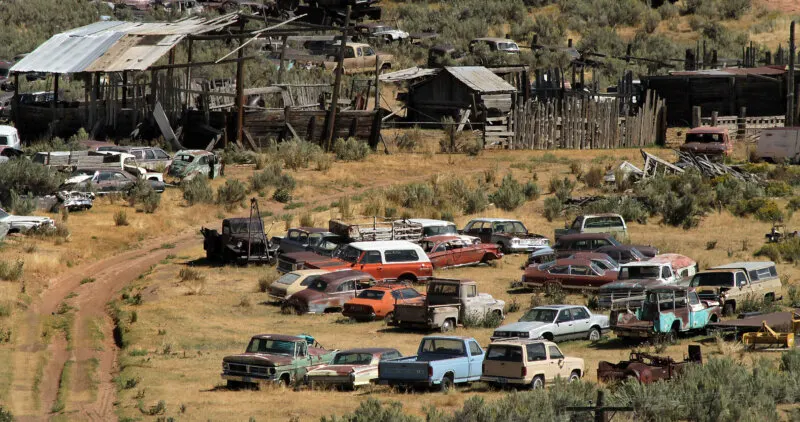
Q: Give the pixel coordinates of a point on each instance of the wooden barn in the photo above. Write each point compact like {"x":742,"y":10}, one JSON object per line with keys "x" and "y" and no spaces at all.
{"x":762,"y":90}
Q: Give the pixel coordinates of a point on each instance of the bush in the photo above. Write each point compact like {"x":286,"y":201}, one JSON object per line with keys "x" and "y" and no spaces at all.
{"x":297,"y":154}
{"x":793,"y":204}
{"x":788,"y":250}
{"x":232,"y":194}
{"x":323,"y":162}
{"x":350,"y":149}
{"x":282,"y":195}
{"x":680,"y":199}
{"x":190,"y":274}
{"x":793,"y":296}
{"x":778,"y":189}
{"x":121,"y":218}
{"x":552,"y":208}
{"x":142,"y":193}
{"x":769,"y":212}
{"x":629,"y":208}
{"x":594,"y":177}
{"x":733,"y":9}
{"x":562,"y":188}
{"x":197,"y":190}
{"x":651,"y":20}
{"x":22,"y":206}
{"x":668,"y":11}
{"x":269,"y":177}
{"x":531,"y":190}
{"x":475,"y":201}
{"x":11,"y":271}
{"x":25,"y":176}
{"x":510,"y":195}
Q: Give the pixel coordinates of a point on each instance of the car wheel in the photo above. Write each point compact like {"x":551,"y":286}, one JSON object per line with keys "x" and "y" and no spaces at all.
{"x":671,"y":337}
{"x":574,"y":376}
{"x":388,"y":317}
{"x":447,"y":326}
{"x":537,"y":383}
{"x":446,"y":384}
{"x":728,"y":309}
{"x":502,"y":248}
{"x":594,"y":334}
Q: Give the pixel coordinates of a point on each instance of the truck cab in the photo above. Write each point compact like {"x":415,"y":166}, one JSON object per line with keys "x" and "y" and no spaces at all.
{"x":441,"y":362}
{"x":730,"y":284}
{"x":447,"y":303}
{"x":359,"y":58}
{"x":712,"y":141}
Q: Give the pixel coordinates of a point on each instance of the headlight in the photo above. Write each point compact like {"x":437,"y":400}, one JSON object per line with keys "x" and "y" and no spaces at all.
{"x":239,"y":245}
{"x":352,"y":377}
{"x":224,"y":366}
{"x":514,"y":241}
{"x":272,"y":371}
{"x":523,"y":335}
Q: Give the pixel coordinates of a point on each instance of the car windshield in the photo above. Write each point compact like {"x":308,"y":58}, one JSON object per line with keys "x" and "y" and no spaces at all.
{"x":704,"y":138}
{"x":318,"y":285}
{"x":504,"y":353}
{"x":539,"y":315}
{"x":427,"y":246}
{"x":265,"y":345}
{"x":371,"y":294}
{"x":599,"y":271}
{"x":347,"y":253}
{"x":443,"y":346}
{"x":3,"y":213}
{"x":605,"y":264}
{"x":638,"y":254}
{"x":712,"y":279}
{"x":288,"y":278}
{"x":240,"y":226}
{"x":436,"y":230}
{"x":507,"y":46}
{"x":630,"y":273}
{"x":184,"y":157}
{"x":352,"y":359}
{"x":376,"y":29}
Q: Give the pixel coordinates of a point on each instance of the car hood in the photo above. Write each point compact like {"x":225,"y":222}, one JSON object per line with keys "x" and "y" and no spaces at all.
{"x":304,"y":257}
{"x":178,"y":167}
{"x":262,"y":359}
{"x":631,"y":284}
{"x":524,"y":326}
{"x":334,"y":370}
{"x":21,"y":219}
{"x":77,"y":179}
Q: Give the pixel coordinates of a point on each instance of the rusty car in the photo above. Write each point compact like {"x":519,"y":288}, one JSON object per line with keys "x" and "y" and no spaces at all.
{"x":511,"y":236}
{"x":351,"y":368}
{"x":447,"y":251}
{"x":596,"y":223}
{"x":569,"y":244}
{"x":667,"y":311}
{"x":635,"y":278}
{"x":623,"y":254}
{"x":274,"y":358}
{"x":378,"y":302}
{"x":712,"y":141}
{"x":189,"y":163}
{"x":328,"y":293}
{"x":577,"y":274}
{"x":243,"y":240}
{"x":646,"y":367}
{"x":734,"y":283}
{"x":290,"y":283}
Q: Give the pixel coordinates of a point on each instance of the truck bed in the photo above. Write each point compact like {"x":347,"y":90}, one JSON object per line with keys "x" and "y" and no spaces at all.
{"x":410,"y":369}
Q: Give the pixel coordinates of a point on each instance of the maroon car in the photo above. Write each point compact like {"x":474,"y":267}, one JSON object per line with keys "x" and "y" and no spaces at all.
{"x":446,"y":251}
{"x":587,"y":242}
{"x":328,"y":293}
{"x":578,"y":274}
{"x":351,"y":368}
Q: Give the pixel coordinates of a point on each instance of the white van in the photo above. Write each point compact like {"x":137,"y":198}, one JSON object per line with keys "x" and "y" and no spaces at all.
{"x":9,"y":137}
{"x":779,"y":145}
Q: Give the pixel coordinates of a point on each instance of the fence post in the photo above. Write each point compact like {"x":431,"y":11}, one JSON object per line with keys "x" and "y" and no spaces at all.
{"x":696,"y":112}
{"x":600,"y":414}
{"x":714,"y":116}
{"x":741,"y":124}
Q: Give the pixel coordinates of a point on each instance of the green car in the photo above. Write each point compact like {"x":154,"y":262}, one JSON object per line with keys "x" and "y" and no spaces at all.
{"x":189,"y":163}
{"x":274,"y":358}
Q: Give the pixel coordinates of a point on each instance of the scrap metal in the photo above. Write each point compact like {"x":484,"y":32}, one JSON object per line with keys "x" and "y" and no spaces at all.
{"x":655,"y":166}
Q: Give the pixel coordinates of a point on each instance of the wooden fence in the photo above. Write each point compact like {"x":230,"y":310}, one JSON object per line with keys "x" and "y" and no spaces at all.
{"x":582,"y":122}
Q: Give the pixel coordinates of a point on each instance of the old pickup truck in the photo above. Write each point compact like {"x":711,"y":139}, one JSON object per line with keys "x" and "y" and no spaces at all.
{"x":441,"y":362}
{"x":712,"y":141}
{"x":666,"y":312}
{"x":636,"y":277}
{"x":359,"y":58}
{"x":732,"y":283}
{"x":274,"y":358}
{"x":447,"y":303}
{"x":596,"y":223}
{"x":243,"y":240}
{"x":510,"y":235}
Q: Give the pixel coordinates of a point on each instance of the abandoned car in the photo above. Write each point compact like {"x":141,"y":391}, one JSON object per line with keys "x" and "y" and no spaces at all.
{"x":707,"y":140}
{"x":646,"y":367}
{"x":526,"y":362}
{"x":243,"y":240}
{"x":731,"y":284}
{"x":104,"y":181}
{"x":23,"y":223}
{"x":447,"y":251}
{"x":584,"y":242}
{"x":274,"y":358}
{"x":187,"y":164}
{"x":510,"y":235}
{"x":328,"y":292}
{"x":556,"y":323}
{"x":291,"y":283}
{"x":351,"y":368}
{"x":596,"y":223}
{"x":378,"y":302}
{"x":579,"y":274}
{"x":602,"y":260}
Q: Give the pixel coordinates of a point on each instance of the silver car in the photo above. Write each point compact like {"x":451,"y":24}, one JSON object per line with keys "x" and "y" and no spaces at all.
{"x":556,"y":323}
{"x":21,"y":224}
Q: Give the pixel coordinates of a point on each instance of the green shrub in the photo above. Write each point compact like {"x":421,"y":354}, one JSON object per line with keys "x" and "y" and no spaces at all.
{"x":11,"y":271}
{"x":531,"y":190}
{"x":788,"y":250}
{"x":323,"y":162}
{"x":121,"y":218}
{"x":235,"y":155}
{"x":6,"y":415}
{"x":562,"y":188}
{"x":680,"y":199}
{"x":25,"y":176}
{"x":143,"y":194}
{"x":297,"y":154}
{"x":778,"y":189}
{"x":793,"y":296}
{"x":769,"y":212}
{"x":552,"y":208}
{"x":510,"y":195}
{"x":629,"y":208}
{"x":793,"y":204}
{"x":266,"y":178}
{"x":475,"y":201}
{"x":197,"y":190}
{"x":282,"y":195}
{"x":733,"y":9}
{"x":594,"y":177}
{"x":651,"y":20}
{"x":232,"y":194}
{"x":22,"y":206}
{"x":350,"y":149}
{"x":668,"y":11}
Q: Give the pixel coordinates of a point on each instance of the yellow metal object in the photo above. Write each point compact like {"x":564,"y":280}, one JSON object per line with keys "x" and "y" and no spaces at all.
{"x":767,"y":335}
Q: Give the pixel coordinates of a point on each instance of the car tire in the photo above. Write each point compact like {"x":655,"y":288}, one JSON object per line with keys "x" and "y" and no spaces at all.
{"x":594,"y":334}
{"x":388,"y":317}
{"x":502,"y":248}
{"x":728,"y":309}
{"x":671,"y":337}
{"x":574,"y":376}
{"x":537,"y":383}
{"x":447,"y":325}
{"x":447,"y":384}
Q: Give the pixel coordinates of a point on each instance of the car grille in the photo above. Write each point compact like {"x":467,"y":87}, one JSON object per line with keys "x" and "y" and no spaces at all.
{"x":286,"y":266}
{"x":361,"y":309}
{"x":247,"y":369}
{"x":708,"y":296}
{"x":519,"y":334}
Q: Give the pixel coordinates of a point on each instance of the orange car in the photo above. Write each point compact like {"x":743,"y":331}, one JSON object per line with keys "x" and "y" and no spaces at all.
{"x":378,"y":301}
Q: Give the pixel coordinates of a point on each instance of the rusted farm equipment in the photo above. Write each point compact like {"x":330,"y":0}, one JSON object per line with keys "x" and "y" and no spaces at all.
{"x":768,"y":337}
{"x":646,"y":368}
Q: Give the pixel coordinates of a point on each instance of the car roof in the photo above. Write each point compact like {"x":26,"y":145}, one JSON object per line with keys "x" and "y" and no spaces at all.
{"x":555,"y":307}
{"x":335,"y":277}
{"x":196,"y":152}
{"x":442,"y":238}
{"x":7,"y":130}
{"x":749,"y":266}
{"x":447,"y":337}
{"x":371,"y":350}
{"x":388,"y":287}
{"x":584,"y":236}
{"x":493,"y":220}
{"x":310,"y":229}
{"x":590,"y":255}
{"x":494,"y":39}
{"x":309,"y":272}
{"x":382,"y":245}
{"x":707,"y":129}
{"x":279,"y":337}
{"x":573,"y":261}
{"x":677,"y":261}
{"x":427,"y":222}
{"x":604,"y":214}
{"x":521,"y":341}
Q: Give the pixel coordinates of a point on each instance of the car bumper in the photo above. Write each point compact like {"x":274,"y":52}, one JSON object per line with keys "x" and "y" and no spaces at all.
{"x":524,"y":248}
{"x":634,"y":332}
{"x":247,"y":379}
{"x":407,"y":383}
{"x":504,"y":380}
{"x":360,"y":315}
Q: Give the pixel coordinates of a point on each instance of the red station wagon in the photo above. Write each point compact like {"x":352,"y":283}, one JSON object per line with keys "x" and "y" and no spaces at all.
{"x":452,"y":251}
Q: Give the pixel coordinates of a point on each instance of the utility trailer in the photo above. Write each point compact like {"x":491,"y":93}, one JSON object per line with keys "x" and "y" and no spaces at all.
{"x":377,"y":229}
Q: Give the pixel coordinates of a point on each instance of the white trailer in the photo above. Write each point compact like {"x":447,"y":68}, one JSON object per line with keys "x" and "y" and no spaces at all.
{"x":779,"y":145}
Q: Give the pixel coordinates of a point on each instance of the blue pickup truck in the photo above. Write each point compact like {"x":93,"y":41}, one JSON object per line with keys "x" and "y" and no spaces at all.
{"x":440,"y":363}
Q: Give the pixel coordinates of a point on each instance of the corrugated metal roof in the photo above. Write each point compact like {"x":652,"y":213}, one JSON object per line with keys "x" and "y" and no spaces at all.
{"x":480,"y":79}
{"x":114,"y":46}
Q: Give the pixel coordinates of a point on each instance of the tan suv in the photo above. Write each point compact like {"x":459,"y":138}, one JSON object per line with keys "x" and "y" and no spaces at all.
{"x":533,"y":363}
{"x":730,"y":284}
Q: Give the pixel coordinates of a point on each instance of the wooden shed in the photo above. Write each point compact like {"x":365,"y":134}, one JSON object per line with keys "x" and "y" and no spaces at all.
{"x":456,"y":90}
{"x":762,"y":90}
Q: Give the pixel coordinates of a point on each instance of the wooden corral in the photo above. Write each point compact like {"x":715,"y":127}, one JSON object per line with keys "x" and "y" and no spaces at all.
{"x":308,"y":125}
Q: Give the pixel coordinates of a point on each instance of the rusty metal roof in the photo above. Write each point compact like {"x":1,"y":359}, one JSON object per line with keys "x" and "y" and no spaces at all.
{"x":734,"y":71}
{"x":114,"y":46}
{"x":480,"y":79}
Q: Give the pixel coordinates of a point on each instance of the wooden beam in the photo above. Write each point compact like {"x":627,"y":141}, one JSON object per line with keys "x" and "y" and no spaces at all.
{"x":199,"y":64}
{"x":337,"y":84}
{"x":240,"y":88}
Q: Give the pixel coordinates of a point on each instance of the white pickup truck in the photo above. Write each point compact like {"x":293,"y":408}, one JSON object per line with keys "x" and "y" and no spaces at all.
{"x":636,"y":277}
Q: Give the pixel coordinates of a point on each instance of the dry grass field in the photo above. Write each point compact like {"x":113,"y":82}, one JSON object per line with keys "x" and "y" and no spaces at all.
{"x":179,"y":330}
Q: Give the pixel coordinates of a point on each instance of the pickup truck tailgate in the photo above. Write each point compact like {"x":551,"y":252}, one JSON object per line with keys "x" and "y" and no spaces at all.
{"x":410,"y":313}
{"x":403,"y":370}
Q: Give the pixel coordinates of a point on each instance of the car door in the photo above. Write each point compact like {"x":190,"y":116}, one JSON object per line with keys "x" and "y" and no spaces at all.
{"x":580,"y":276}
{"x":370,"y":58}
{"x":372,"y":264}
{"x":344,"y":292}
{"x":470,"y":253}
{"x":559,"y":369}
{"x":485,"y":233}
{"x":475,"y":360}
{"x":440,"y":257}
{"x":698,"y":317}
{"x":745,"y":287}
{"x":564,"y":326}
{"x":582,"y":322}
{"x":472,"y":304}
